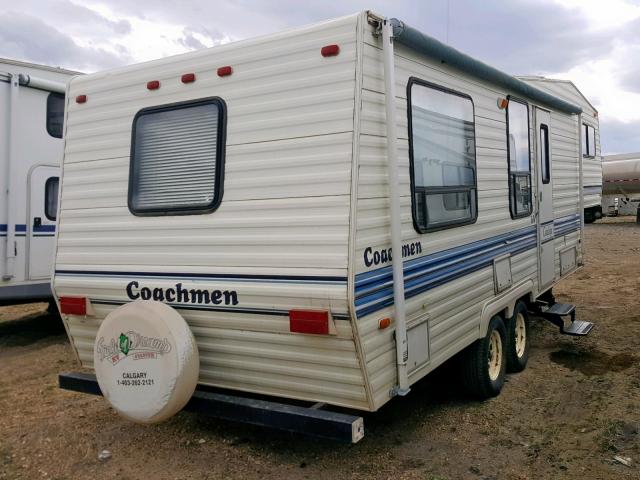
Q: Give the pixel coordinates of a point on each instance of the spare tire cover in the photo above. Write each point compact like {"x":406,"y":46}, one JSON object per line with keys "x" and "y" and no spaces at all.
{"x":146,"y":361}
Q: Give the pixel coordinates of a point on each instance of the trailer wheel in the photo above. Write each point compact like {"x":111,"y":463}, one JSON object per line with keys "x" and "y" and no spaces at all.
{"x":518,"y":339}
{"x":484,"y":362}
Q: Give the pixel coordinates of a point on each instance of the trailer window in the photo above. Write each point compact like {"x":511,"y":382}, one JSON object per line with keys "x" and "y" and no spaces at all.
{"x":519,"y":158}
{"x":51,"y":198}
{"x":544,"y":154}
{"x":442,"y":152}
{"x":55,"y":114}
{"x":588,"y":141}
{"x":177,"y":157}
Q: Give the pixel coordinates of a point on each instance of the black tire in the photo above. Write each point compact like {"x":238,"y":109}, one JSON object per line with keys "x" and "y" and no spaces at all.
{"x":475,"y":363}
{"x":518,"y":355}
{"x":52,"y":309}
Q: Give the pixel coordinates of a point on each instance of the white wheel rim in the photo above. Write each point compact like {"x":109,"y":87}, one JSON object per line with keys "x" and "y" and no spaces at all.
{"x":494,"y":359}
{"x":521,"y":335}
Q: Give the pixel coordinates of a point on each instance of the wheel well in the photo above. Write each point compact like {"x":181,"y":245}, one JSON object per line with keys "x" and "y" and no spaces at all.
{"x":505,"y":305}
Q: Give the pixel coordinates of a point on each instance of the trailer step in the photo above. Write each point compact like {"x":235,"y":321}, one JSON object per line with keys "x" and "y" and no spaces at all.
{"x":561,"y":309}
{"x":555,"y":313}
{"x":578,"y":328}
{"x":311,"y":421}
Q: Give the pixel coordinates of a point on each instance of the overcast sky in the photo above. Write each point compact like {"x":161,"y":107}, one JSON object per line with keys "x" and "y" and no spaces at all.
{"x":594,"y":43}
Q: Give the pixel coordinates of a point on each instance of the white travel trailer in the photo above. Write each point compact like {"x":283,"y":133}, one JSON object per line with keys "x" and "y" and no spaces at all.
{"x":334,"y":211}
{"x":590,"y":138}
{"x":31,"y":116}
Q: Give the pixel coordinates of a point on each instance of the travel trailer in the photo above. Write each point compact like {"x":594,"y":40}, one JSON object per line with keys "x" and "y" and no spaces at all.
{"x":31,"y":119}
{"x":621,"y":185}
{"x":589,"y":137}
{"x":325,"y":215}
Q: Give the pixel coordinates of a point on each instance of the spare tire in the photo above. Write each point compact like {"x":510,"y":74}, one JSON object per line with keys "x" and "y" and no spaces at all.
{"x":146,"y":361}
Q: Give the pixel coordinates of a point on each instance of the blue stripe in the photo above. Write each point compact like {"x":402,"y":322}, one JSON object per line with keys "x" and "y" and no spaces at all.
{"x":445,"y":255}
{"x":259,"y":311}
{"x":374,"y":289}
{"x":568,"y":219}
{"x":431,"y":264}
{"x":208,"y":276}
{"x":566,"y":225}
{"x":21,"y":230}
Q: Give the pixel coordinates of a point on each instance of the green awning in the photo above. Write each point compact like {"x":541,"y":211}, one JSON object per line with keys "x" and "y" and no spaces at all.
{"x":430,"y":47}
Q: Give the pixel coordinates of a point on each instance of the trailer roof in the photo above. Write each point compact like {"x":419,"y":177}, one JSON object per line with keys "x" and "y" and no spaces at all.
{"x":429,"y":46}
{"x":19,"y":63}
{"x":540,"y":78}
{"x":622,"y":156}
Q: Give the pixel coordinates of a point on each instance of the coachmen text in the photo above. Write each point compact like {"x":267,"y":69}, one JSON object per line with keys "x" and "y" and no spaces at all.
{"x":180,"y":294}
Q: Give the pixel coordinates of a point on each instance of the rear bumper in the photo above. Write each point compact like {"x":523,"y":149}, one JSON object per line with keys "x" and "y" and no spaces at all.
{"x":311,"y":421}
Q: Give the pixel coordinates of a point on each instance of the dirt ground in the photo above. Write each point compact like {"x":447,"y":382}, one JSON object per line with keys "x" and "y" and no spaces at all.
{"x":575,"y":407}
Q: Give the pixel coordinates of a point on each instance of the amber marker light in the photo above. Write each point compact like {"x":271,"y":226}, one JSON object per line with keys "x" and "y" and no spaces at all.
{"x":384,"y":323}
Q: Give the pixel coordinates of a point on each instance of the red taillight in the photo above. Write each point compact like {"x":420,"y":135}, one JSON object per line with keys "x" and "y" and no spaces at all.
{"x":309,"y":321}
{"x":330,"y":50}
{"x":153,"y":85}
{"x":73,"y":305}
{"x":225,"y":71}
{"x":81,"y":98}
{"x":188,"y":78}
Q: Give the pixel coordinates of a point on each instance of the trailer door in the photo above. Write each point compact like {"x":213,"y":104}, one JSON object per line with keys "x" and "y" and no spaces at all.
{"x":41,"y":227}
{"x":542,"y":135}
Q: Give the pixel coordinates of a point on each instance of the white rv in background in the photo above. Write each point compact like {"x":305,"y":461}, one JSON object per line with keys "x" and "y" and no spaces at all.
{"x":621,"y":186}
{"x":333,"y":211}
{"x":589,"y":137}
{"x":31,"y":119}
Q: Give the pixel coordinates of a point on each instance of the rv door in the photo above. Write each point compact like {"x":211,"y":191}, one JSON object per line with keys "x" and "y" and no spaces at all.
{"x":542,"y":135}
{"x":43,"y":207}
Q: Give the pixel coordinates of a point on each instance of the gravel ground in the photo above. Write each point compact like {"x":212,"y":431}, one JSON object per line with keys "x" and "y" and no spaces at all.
{"x":575,"y":408}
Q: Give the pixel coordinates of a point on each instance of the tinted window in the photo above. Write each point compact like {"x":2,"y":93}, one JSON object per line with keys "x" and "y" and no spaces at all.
{"x":443,"y":157}
{"x":55,"y":114}
{"x":592,"y":142}
{"x":177,"y":158}
{"x":544,"y":154}
{"x":585,"y":140}
{"x":519,"y":158}
{"x":51,"y":198}
{"x":588,"y":141}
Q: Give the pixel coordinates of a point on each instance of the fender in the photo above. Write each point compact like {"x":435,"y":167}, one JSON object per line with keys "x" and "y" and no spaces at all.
{"x":506,"y":303}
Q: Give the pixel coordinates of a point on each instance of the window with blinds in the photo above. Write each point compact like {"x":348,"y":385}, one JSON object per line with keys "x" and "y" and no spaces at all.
{"x":177,"y":158}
